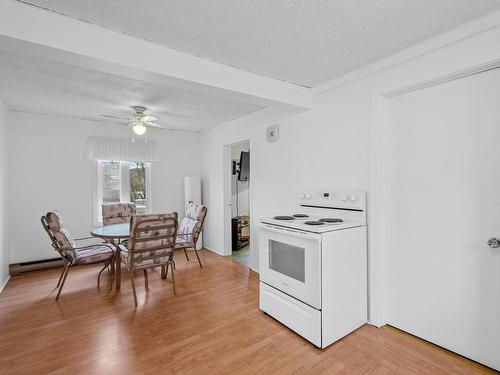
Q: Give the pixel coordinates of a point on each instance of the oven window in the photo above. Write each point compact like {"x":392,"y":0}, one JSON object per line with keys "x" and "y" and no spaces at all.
{"x":287,"y":259}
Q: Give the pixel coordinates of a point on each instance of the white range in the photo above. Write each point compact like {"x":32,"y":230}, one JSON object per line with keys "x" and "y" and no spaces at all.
{"x":313,"y":265}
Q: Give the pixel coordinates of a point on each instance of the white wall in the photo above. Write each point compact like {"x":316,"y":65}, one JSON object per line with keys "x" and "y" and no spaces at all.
{"x":330,"y":145}
{"x":4,"y":251}
{"x":49,"y":172}
{"x":324,"y":147}
{"x":240,"y":190}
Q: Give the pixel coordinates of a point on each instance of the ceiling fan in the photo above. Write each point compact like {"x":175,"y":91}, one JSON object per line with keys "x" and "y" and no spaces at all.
{"x":140,"y":122}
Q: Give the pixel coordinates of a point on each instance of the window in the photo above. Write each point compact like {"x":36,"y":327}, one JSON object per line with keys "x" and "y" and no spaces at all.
{"x":122,"y":181}
{"x":138,"y":191}
{"x":111,"y":181}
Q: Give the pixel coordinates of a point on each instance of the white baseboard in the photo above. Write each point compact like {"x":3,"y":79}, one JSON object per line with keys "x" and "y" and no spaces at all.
{"x":4,"y":284}
{"x":376,"y":324}
{"x":213,"y":251}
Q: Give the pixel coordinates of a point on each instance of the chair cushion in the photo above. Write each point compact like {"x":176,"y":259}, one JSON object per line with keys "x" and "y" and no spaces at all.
{"x":117,"y":213}
{"x":64,"y":238}
{"x":151,"y":241}
{"x":188,"y":225}
{"x":140,"y":263}
{"x":92,"y":254}
{"x":196,"y":211}
{"x":54,"y":221}
{"x":182,"y":243}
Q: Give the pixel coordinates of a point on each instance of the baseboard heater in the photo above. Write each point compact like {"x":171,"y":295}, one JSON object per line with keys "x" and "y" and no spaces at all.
{"x":36,"y":265}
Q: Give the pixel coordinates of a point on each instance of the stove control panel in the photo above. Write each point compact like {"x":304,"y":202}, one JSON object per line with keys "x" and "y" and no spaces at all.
{"x":331,"y":198}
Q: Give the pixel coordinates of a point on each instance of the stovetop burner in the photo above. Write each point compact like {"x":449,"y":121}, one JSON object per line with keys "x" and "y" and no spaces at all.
{"x":284,"y":218}
{"x":331,"y":220}
{"x":313,"y":222}
{"x":300,"y":216}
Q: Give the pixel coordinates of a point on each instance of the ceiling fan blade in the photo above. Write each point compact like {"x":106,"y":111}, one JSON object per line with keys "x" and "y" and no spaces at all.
{"x":149,"y":118}
{"x":115,"y":117}
{"x":154,"y":125}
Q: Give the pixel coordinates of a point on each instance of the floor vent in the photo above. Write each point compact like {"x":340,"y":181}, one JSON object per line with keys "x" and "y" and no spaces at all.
{"x":37,"y":265}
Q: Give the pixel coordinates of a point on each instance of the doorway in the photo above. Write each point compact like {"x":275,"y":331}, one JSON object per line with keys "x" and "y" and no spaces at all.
{"x":238,"y":225}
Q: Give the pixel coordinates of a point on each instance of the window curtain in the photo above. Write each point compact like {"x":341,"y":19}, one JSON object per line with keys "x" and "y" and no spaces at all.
{"x":109,"y":148}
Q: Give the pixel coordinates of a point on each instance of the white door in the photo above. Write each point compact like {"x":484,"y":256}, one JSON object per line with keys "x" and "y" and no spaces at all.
{"x":290,"y":261}
{"x":444,"y":205}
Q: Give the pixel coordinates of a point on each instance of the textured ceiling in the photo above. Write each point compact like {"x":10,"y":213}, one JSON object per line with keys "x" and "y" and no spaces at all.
{"x":40,"y":85}
{"x":303,"y":41}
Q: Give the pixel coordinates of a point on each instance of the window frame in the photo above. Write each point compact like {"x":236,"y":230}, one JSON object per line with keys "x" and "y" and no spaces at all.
{"x":124,"y":187}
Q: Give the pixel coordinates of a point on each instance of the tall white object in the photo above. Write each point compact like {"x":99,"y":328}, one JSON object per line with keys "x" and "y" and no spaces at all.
{"x":192,"y":193}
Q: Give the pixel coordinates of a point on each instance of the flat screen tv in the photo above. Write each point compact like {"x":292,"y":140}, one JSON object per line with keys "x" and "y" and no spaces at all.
{"x":244,"y":172}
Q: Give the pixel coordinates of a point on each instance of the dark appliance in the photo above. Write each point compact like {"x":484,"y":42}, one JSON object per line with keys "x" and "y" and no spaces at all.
{"x":244,"y":172}
{"x":240,"y":232}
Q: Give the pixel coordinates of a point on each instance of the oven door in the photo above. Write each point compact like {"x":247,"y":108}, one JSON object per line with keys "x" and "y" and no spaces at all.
{"x":290,"y":260}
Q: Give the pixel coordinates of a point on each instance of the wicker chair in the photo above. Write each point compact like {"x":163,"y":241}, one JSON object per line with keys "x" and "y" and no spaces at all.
{"x":151,"y":244}
{"x":190,"y":229}
{"x":117,"y":213}
{"x":73,"y":255}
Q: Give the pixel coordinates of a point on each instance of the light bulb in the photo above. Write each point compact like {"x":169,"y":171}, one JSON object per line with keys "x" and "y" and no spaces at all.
{"x":139,"y":129}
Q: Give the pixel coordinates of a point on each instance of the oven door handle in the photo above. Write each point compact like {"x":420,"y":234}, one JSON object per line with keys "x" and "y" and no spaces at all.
{"x":290,"y":232}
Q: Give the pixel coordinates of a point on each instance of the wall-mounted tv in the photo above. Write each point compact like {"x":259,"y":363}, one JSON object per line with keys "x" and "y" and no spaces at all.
{"x":244,"y":172}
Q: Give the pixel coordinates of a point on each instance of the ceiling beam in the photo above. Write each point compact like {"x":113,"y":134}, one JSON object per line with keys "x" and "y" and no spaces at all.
{"x":91,"y":46}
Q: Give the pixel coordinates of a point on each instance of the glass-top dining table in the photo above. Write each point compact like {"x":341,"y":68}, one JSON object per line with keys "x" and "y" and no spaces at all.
{"x":114,"y":233}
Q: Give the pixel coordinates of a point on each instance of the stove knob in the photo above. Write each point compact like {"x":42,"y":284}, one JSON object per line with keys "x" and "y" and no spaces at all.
{"x":302,"y":196}
{"x":354,"y":198}
{"x":345,"y":198}
{"x":308,"y":196}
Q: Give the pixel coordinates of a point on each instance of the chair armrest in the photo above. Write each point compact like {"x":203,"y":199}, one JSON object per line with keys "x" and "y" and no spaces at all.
{"x":192,"y":234}
{"x":111,"y":247}
{"x":85,"y":238}
{"x":90,"y":240}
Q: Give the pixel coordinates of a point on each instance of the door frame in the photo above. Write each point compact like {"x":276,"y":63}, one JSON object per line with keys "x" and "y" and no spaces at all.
{"x":379,"y":183}
{"x":226,"y":199}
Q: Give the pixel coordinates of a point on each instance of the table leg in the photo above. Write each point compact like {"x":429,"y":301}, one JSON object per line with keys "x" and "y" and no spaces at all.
{"x":118,"y":271}
{"x":113,"y":263}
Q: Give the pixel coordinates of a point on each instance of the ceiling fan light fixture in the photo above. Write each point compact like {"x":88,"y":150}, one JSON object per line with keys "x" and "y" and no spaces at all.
{"x":139,"y":129}
{"x":139,"y":122}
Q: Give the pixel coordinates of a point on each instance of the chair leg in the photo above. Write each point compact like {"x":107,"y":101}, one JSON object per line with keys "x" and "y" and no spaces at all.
{"x":166,"y":271}
{"x":100,"y":272}
{"x":146,"y":281}
{"x":133,"y":286}
{"x":185,"y":252}
{"x":118,"y":269}
{"x":112,"y":266}
{"x":163,"y":272}
{"x":60,"y":277}
{"x":173,"y":278}
{"x":66,"y":271}
{"x":197,"y":256}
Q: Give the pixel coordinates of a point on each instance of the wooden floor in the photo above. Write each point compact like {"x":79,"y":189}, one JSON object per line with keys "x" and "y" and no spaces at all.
{"x":212,"y":326}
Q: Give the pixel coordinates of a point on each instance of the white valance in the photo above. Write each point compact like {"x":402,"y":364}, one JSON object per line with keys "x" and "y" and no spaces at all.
{"x":109,"y":148}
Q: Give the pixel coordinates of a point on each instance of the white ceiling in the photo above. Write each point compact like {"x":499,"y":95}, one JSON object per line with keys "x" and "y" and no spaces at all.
{"x":31,"y":83}
{"x":301,"y":41}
